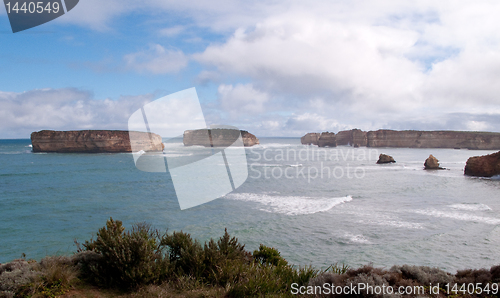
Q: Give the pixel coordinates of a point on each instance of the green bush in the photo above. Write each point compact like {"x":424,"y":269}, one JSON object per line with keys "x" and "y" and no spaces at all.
{"x":128,"y":259}
{"x":207,"y":263}
{"x":269,"y":255}
{"x":184,"y":254}
{"x":257,"y":280}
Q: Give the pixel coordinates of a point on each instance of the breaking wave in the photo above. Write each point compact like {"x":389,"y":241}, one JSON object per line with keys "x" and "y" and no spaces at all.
{"x":290,"y":205}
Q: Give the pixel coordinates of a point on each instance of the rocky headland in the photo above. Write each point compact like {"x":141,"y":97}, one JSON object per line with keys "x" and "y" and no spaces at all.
{"x":483,"y":166}
{"x":218,"y":137}
{"x":94,"y":141}
{"x":415,"y":139}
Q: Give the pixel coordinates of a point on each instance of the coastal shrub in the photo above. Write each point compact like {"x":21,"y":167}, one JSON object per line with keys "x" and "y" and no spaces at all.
{"x":258,"y":280}
{"x":210,"y":262}
{"x":495,"y":273}
{"x":59,"y":270}
{"x":226,"y":247}
{"x":269,"y":255}
{"x":367,"y":275}
{"x":337,"y":269}
{"x":470,"y":276}
{"x":16,"y":274}
{"x":221,"y":258}
{"x":423,"y":274}
{"x":85,"y":260}
{"x":129,"y":259}
{"x":184,"y":254}
{"x":50,"y":277}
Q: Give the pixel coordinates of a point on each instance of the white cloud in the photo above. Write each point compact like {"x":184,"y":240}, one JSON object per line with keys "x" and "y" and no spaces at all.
{"x":171,"y":31}
{"x":221,"y":15}
{"x":372,"y":65}
{"x":477,"y":125}
{"x":242,"y":99}
{"x":63,"y":109}
{"x":366,"y":64}
{"x":302,"y":54}
{"x":156,"y":60}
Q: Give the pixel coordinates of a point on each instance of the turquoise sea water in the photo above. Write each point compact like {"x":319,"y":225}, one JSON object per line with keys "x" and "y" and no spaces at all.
{"x":317,"y":206}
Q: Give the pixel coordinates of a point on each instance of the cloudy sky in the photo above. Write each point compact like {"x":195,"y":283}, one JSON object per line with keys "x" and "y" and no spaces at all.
{"x":275,"y":68}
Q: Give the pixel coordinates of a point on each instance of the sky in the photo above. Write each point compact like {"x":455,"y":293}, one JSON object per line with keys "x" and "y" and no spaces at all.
{"x":274,"y":68}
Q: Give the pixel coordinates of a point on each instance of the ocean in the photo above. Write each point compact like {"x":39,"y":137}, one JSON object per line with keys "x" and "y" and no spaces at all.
{"x":317,"y":206}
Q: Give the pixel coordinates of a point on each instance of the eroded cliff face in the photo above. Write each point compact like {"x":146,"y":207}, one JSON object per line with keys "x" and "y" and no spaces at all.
{"x":420,"y":139}
{"x":327,"y":139}
{"x":354,"y":137}
{"x":483,"y":166}
{"x":310,"y":139}
{"x":94,"y":141}
{"x":218,"y":137}
{"x":434,"y":139}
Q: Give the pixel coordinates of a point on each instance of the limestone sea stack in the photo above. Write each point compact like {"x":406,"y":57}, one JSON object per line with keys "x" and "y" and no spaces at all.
{"x":384,"y":158}
{"x":218,"y":137}
{"x":483,"y":166}
{"x":310,"y":138}
{"x":94,"y":141}
{"x":432,"y":163}
{"x":327,"y":139}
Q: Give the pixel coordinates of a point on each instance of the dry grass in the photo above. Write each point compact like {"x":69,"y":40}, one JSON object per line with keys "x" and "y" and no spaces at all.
{"x":168,"y":289}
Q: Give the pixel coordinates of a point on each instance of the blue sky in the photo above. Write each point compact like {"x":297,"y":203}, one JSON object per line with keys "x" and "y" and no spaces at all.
{"x":275,"y":68}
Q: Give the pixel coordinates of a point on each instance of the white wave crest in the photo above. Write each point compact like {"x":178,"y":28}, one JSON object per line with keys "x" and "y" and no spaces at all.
{"x":460,"y":216}
{"x":393,"y":223}
{"x":471,"y":207}
{"x":275,"y":145}
{"x":290,"y":205}
{"x":177,"y":154}
{"x":356,"y":238}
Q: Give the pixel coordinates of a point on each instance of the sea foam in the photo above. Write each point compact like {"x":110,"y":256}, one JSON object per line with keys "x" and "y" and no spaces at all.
{"x":290,"y":205}
{"x":471,"y":207}
{"x":459,"y":216}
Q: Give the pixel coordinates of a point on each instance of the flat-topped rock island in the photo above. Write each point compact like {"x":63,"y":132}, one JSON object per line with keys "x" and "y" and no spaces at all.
{"x":94,"y":141}
{"x":219,"y":137}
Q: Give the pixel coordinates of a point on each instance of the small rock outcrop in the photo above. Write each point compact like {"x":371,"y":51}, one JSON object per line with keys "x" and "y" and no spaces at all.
{"x":218,"y":137}
{"x":384,"y":158}
{"x":483,"y":166}
{"x":432,"y":163}
{"x":327,"y":139}
{"x":310,"y":138}
{"x":249,"y":139}
{"x":94,"y":141}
